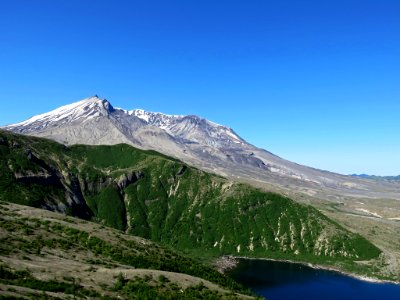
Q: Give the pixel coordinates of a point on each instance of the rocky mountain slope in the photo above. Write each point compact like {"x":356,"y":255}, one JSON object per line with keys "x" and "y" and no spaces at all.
{"x":45,"y":255}
{"x":196,"y":141}
{"x":153,"y":196}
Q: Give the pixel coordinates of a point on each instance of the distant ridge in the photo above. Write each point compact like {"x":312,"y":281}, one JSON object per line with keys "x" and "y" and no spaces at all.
{"x":376,"y":177}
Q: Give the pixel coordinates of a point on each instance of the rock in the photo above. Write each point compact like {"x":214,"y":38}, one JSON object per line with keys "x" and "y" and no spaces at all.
{"x":15,"y":144}
{"x":181,"y":170}
{"x":28,"y":153}
{"x":225,"y":263}
{"x":127,"y":179}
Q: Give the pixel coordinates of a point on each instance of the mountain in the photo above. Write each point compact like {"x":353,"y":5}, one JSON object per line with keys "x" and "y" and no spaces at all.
{"x":153,"y":196}
{"x":45,"y":255}
{"x":184,"y":129}
{"x":375,"y":177}
{"x":196,"y":141}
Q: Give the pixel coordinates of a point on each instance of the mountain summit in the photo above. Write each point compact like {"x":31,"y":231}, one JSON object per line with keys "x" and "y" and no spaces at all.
{"x":187,"y":129}
{"x":81,"y":111}
{"x":196,"y":141}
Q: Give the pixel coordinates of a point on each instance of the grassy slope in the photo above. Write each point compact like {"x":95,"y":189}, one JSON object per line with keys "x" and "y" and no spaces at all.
{"x":180,"y":206}
{"x":45,"y":251}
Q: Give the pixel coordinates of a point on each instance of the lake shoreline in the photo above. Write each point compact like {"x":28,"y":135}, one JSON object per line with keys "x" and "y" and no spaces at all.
{"x":226,"y":263}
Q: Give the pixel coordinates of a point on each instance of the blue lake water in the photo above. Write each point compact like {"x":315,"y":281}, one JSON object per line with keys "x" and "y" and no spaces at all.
{"x":281,"y":280}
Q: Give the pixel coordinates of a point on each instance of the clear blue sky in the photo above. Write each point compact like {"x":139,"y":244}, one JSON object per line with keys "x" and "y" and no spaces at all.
{"x":316,"y":82}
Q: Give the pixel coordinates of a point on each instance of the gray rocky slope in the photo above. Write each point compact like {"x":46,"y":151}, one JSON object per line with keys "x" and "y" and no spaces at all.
{"x":198,"y":142}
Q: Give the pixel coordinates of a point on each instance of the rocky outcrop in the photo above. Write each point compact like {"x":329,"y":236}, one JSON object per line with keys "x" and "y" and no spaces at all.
{"x":127,"y":179}
{"x":41,"y":173}
{"x":93,"y":186}
{"x":3,"y":141}
{"x":75,"y":199}
{"x":67,"y":195}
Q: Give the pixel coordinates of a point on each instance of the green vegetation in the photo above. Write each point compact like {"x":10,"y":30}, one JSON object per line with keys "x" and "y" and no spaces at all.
{"x":156,"y":197}
{"x":149,"y":288}
{"x":30,"y":238}
{"x":24,"y":278}
{"x":108,"y":206}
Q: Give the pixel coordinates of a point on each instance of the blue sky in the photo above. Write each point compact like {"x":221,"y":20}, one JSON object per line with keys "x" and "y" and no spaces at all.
{"x":316,"y":82}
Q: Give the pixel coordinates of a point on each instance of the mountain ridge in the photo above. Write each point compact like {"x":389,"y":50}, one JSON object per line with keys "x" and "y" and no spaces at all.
{"x":377,"y":177}
{"x":94,"y":106}
{"x":198,"y":142}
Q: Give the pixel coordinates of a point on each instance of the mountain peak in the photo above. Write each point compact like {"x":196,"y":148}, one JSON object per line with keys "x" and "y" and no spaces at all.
{"x":184,"y":127}
{"x":93,"y":99}
{"x":82,"y":110}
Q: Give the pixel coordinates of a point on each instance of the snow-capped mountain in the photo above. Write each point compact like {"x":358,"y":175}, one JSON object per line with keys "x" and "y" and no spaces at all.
{"x":190,"y":128}
{"x":192,"y":139}
{"x":83,"y":110}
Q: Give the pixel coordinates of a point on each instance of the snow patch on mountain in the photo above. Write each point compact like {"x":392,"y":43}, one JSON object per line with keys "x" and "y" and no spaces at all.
{"x":190,"y":128}
{"x":83,"y":110}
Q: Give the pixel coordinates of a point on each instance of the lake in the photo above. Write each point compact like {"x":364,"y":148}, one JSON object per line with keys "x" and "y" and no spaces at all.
{"x":282,"y":280}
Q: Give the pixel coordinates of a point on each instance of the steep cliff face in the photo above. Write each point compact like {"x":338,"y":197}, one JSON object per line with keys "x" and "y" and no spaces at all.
{"x":30,"y":180}
{"x":156,"y":197}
